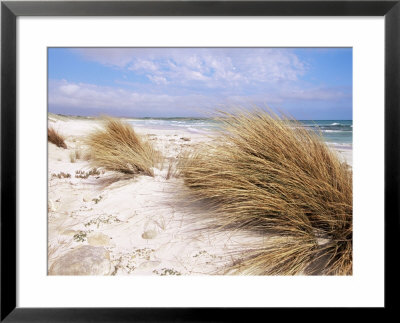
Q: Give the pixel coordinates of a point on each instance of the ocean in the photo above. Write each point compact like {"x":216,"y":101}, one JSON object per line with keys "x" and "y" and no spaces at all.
{"x":337,"y":133}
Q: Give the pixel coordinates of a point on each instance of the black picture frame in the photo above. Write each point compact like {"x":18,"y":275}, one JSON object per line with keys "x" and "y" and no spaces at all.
{"x":10,"y":10}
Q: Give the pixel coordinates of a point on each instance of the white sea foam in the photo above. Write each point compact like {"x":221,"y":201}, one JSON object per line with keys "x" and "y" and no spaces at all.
{"x":196,"y":130}
{"x":338,"y":145}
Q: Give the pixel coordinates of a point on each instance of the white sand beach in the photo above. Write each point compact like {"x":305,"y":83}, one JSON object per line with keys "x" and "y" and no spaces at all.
{"x":104,"y":223}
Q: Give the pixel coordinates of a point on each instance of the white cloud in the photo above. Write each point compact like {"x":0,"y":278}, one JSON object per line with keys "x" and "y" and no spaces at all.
{"x":143,"y":65}
{"x":69,"y":89}
{"x":176,"y":81}
{"x":117,"y":57}
{"x":218,"y":67}
{"x":70,"y":96}
{"x":99,"y":98}
{"x":157,"y":79}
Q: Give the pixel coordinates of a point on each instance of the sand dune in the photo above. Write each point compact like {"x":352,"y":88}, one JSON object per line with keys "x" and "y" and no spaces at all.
{"x":104,"y":223}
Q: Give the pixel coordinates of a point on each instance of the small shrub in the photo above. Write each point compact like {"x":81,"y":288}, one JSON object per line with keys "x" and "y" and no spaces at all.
{"x":85,"y":174}
{"x":61,"y":175}
{"x":97,"y":199}
{"x":105,"y":219}
{"x":167,"y":272}
{"x":81,"y":236}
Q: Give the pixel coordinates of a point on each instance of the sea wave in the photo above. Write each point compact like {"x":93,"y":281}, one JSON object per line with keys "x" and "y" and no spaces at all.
{"x":340,"y":146}
{"x":337,"y":132}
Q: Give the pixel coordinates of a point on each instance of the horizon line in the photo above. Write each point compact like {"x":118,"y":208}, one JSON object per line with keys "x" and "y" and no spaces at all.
{"x":174,"y":117}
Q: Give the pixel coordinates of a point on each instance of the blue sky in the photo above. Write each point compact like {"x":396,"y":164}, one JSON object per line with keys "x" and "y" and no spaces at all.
{"x":306,"y":83}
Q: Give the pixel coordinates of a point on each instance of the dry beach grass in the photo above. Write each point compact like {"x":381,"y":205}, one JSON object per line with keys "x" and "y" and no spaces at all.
{"x":117,"y":147}
{"x":272,"y":176}
{"x":266,"y":197}
{"x":56,"y":138}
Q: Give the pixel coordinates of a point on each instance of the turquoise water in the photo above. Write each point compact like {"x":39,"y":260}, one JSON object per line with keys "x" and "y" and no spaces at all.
{"x":195,"y":125}
{"x":336,"y":132}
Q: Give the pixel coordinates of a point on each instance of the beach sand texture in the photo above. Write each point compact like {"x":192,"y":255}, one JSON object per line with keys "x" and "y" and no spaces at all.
{"x":104,"y":223}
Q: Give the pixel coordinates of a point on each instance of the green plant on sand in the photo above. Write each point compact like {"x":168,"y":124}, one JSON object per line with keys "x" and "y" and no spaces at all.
{"x":271,"y":175}
{"x":117,"y":147}
{"x":54,"y":137}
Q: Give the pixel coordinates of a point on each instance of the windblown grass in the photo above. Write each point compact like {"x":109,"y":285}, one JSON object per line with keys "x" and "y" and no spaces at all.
{"x":54,"y":137}
{"x":273,"y":176}
{"x":117,"y":147}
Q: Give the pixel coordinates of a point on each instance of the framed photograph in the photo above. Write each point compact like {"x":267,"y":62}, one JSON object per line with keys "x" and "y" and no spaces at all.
{"x":179,"y":160}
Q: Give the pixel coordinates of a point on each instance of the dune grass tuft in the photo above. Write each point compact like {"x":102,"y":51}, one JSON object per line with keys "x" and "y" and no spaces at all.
{"x":117,"y":147}
{"x":271,"y":175}
{"x":54,"y":137}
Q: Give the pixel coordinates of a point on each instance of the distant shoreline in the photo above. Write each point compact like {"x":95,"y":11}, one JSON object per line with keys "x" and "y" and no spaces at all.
{"x":163,"y":118}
